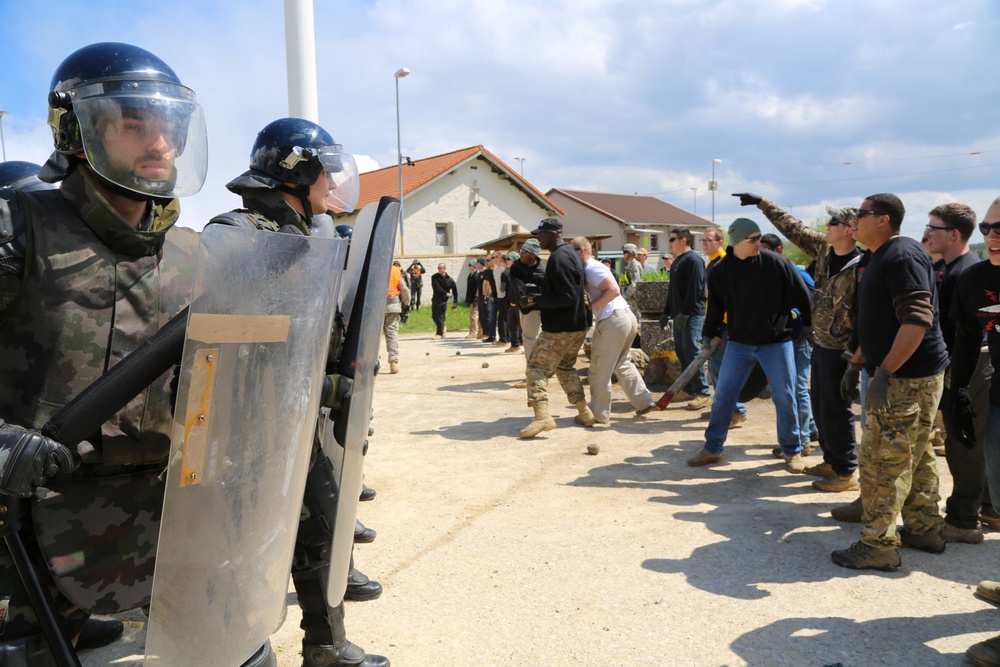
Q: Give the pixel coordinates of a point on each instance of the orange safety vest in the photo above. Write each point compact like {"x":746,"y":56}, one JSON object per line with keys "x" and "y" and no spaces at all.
{"x":395,"y":277}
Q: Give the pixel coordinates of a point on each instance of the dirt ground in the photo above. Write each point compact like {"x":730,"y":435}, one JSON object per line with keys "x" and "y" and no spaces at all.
{"x":498,"y":551}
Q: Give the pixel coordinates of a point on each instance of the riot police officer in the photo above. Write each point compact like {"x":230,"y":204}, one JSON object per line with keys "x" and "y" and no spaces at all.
{"x":298,"y":172}
{"x":89,"y":272}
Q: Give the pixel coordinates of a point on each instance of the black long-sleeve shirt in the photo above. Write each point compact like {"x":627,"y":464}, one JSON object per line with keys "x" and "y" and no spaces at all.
{"x":441,"y":285}
{"x":755,"y":294}
{"x":686,"y":290}
{"x":975,"y":308}
{"x":561,"y":301}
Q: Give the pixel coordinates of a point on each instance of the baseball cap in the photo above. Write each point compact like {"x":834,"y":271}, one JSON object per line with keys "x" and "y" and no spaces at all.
{"x":548,"y":225}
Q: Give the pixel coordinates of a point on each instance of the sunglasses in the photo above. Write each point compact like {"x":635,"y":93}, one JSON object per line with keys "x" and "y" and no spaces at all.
{"x":862,"y":212}
{"x":672,"y":239}
{"x":755,"y":238}
{"x":834,"y":223}
{"x":987,"y":227}
{"x":931,"y":228}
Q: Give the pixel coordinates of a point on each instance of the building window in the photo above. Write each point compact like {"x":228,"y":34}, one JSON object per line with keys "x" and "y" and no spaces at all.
{"x":441,"y":234}
{"x":654,"y":243}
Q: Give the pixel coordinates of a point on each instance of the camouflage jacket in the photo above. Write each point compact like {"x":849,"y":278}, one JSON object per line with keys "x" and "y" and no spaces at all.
{"x":630,"y":280}
{"x":91,"y":291}
{"x":833,"y":296}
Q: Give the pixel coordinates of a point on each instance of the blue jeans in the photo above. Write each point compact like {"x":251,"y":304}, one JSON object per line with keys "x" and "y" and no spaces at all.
{"x":803,"y":356}
{"x":778,"y":362}
{"x":686,"y":344}
{"x":714,"y":364}
{"x":991,"y":448}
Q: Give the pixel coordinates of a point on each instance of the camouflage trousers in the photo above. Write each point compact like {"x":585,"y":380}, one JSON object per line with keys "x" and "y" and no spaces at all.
{"x":897,"y":465}
{"x":555,"y":352}
{"x":391,"y":329}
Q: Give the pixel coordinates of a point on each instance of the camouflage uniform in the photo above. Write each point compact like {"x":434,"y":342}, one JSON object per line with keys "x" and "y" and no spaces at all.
{"x":92,"y":291}
{"x":630,"y":289}
{"x":555,"y":352}
{"x":898,"y":466}
{"x":833,"y":296}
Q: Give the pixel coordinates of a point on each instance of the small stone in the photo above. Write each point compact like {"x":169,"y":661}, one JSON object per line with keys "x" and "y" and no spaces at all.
{"x":485,"y":365}
{"x":593,"y":449}
{"x":458,"y":354}
{"x":427,"y":354}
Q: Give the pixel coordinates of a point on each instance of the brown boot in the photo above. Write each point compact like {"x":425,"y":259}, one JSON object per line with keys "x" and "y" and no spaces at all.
{"x":985,"y":654}
{"x":860,"y":556}
{"x":836,"y":483}
{"x":848,"y":513}
{"x":586,"y":417}
{"x":542,"y":422}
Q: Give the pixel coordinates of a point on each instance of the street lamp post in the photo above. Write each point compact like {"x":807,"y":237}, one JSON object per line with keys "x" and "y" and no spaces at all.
{"x":2,"y":141}
{"x":694,"y":199}
{"x":521,"y":160}
{"x":400,"y":73}
{"x":713,"y":185}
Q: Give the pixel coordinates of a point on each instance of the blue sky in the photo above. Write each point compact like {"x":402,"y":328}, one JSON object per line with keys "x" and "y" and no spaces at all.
{"x":806,"y":102}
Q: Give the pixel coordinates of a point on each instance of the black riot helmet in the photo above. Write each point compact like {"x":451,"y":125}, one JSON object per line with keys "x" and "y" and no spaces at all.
{"x":290,"y":154}
{"x":18,"y":175}
{"x":137,"y":125}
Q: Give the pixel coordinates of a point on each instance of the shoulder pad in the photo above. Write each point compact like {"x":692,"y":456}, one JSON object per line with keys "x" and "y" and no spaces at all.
{"x":12,"y":232}
{"x":233,"y":219}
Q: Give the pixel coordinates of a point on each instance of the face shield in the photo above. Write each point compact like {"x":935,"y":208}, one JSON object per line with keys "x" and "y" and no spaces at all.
{"x":146,"y":136}
{"x":341,"y":177}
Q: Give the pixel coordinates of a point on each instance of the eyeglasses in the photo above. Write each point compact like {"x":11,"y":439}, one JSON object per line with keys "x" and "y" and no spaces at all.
{"x":987,"y":227}
{"x":755,"y":238}
{"x":932,"y":228}
{"x":705,"y":239}
{"x":862,"y":212}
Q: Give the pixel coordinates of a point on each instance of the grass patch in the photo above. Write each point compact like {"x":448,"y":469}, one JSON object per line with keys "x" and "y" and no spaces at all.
{"x":420,"y":320}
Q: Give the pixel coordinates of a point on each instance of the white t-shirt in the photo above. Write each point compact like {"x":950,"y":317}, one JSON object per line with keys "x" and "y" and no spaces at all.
{"x":596,"y":273}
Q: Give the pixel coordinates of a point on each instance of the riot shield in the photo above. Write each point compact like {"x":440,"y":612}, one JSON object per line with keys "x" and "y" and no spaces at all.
{"x":366,"y":284}
{"x":247,"y":401}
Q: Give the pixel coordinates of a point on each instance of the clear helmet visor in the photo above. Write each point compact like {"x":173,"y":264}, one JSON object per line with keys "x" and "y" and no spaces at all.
{"x":148,"y":137}
{"x":342,"y":177}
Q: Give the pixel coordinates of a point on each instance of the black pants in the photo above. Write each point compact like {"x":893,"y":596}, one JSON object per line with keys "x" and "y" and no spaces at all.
{"x":968,"y":465}
{"x":502,"y":307}
{"x":834,"y":416}
{"x":439,"y":311}
{"x":514,"y":325}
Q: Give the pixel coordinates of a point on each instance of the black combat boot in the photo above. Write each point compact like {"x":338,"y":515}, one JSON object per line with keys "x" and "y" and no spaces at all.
{"x":360,"y":588}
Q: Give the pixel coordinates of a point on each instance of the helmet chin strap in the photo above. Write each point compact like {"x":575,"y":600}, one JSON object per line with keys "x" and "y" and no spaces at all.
{"x":302,"y":192}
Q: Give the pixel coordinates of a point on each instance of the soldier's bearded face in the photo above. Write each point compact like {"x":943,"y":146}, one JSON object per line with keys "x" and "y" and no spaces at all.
{"x":140,"y":143}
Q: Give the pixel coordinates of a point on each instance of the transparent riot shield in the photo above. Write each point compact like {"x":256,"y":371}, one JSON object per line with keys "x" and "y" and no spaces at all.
{"x":244,"y":423}
{"x":365,"y":290}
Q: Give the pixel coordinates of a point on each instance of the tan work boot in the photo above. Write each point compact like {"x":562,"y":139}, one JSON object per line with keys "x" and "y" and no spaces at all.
{"x":819,"y":470}
{"x":985,"y":654}
{"x":850,"y":513}
{"x":703,"y":458}
{"x":836,"y":483}
{"x":989,"y":591}
{"x":586,"y":417}
{"x":542,"y":422}
{"x":952,"y":533}
{"x":779,"y":453}
{"x":990,"y":518}
{"x":393,"y":367}
{"x":738,"y":418}
{"x":860,"y":556}
{"x":699,"y":402}
{"x":795,"y":464}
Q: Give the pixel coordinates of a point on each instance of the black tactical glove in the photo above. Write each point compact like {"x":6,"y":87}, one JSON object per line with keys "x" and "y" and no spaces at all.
{"x":28,"y":459}
{"x":527,"y":303}
{"x":680,"y":321}
{"x":748,"y":198}
{"x":877,"y":398}
{"x":849,"y":384}
{"x":959,"y":416}
{"x":664,"y":320}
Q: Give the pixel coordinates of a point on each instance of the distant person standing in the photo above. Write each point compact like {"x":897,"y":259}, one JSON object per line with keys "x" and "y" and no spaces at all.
{"x":685,"y":305}
{"x":526,"y":275}
{"x":399,"y":296}
{"x":514,"y":330}
{"x":630,"y":279}
{"x":415,"y":273}
{"x":441,"y":286}
{"x":471,"y":292}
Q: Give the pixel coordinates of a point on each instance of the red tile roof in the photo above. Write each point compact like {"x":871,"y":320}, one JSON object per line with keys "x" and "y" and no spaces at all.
{"x":633,"y":209}
{"x":385,"y":181}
